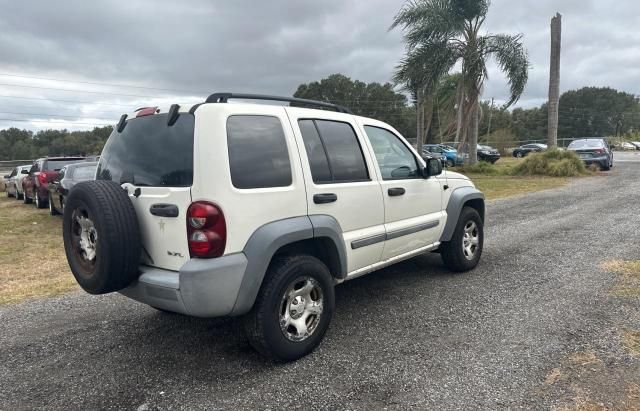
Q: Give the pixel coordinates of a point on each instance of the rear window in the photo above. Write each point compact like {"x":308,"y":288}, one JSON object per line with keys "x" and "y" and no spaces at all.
{"x":258,"y":154}
{"x":150,"y":153}
{"x":84,"y":173}
{"x":58,"y":164}
{"x":578,"y":144}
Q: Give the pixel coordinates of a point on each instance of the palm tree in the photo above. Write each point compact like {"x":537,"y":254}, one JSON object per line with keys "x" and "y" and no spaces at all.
{"x":440,"y":34}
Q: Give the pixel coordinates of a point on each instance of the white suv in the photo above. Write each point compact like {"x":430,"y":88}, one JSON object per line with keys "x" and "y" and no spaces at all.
{"x":259,"y":210}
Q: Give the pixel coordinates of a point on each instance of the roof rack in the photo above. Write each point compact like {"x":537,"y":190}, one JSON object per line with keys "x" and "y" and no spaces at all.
{"x":224,"y":97}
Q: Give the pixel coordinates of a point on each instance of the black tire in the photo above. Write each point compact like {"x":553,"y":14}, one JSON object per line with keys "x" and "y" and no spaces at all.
{"x":111,"y":228}
{"x":518,"y":155}
{"x":450,"y":163}
{"x":25,"y":198}
{"x":52,"y":209}
{"x":9,"y":195}
{"x":40,"y":203}
{"x":452,"y":252}
{"x":19,"y":196}
{"x":262,"y":323}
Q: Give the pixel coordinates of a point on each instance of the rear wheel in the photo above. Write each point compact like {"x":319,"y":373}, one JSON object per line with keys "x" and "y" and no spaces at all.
{"x":19,"y":196}
{"x":101,"y":236}
{"x":40,"y":203}
{"x":25,"y":198}
{"x":463,"y":251}
{"x":519,"y":155}
{"x":52,"y":209}
{"x":293,"y":309}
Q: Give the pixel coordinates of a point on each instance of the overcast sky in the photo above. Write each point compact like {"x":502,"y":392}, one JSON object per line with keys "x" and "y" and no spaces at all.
{"x":182,"y":51}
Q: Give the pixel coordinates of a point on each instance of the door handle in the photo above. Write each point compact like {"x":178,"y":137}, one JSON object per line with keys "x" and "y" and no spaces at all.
{"x":164,"y":210}
{"x":325,"y":198}
{"x":396,"y":192}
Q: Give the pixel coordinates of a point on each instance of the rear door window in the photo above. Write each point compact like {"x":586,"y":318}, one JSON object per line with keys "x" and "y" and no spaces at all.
{"x":148,"y":152}
{"x":334,"y":152}
{"x":258,"y":153}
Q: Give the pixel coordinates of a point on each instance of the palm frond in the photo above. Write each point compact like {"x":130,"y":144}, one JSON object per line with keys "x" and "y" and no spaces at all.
{"x":425,"y":65}
{"x":512,"y":57}
{"x":425,"y":21}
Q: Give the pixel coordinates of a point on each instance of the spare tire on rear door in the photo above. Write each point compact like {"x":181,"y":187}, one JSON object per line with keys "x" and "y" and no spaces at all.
{"x":101,"y":236}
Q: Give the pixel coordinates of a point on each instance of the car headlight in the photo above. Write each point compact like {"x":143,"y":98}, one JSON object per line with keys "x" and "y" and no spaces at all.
{"x":485,"y":152}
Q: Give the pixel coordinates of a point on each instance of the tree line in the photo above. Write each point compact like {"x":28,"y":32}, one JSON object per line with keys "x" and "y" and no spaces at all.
{"x":588,"y":112}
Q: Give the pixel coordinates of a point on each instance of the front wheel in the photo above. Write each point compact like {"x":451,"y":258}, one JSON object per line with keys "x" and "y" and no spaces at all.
{"x":52,"y":209}
{"x":293,"y":309}
{"x":463,"y":251}
{"x":25,"y":198}
{"x":450,"y":163}
{"x":40,"y":203}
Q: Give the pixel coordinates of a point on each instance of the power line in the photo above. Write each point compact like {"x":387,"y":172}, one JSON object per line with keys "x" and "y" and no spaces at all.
{"x":67,"y":101}
{"x":79,"y":91}
{"x":98,"y":83}
{"x":68,"y":123}
{"x":57,"y":115}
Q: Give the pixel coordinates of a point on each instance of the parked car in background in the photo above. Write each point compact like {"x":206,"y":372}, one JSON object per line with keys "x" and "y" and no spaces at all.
{"x":69,"y":176}
{"x":625,"y":146}
{"x":439,"y":156}
{"x":44,"y":170}
{"x":13,"y":182}
{"x":451,"y":155}
{"x":488,"y":154}
{"x":593,"y":151}
{"x":527,"y":149}
{"x":636,"y":144}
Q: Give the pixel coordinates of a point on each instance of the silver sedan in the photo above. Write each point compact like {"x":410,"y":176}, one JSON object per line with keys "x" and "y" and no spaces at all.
{"x":14,"y":182}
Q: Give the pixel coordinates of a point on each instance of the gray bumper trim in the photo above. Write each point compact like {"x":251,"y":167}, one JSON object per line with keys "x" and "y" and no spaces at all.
{"x":202,"y":288}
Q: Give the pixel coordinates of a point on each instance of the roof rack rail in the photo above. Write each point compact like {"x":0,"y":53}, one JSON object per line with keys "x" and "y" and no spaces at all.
{"x":224,"y":97}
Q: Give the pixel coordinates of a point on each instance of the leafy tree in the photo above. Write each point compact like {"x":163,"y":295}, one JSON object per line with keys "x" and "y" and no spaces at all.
{"x":442,"y":33}
{"x":379,"y":101}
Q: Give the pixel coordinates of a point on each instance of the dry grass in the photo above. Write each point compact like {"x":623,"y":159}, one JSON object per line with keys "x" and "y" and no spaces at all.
{"x":628,"y":284}
{"x":32,"y":259}
{"x":631,"y":341}
{"x":495,"y":187}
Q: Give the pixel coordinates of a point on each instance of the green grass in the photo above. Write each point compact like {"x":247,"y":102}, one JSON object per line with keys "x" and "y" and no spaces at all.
{"x":32,"y":258}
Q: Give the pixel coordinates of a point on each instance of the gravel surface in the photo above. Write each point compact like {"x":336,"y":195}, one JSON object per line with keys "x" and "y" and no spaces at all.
{"x":410,"y":336}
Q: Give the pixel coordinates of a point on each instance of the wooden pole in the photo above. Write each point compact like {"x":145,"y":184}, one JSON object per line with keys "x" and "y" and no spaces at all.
{"x":554,"y":80}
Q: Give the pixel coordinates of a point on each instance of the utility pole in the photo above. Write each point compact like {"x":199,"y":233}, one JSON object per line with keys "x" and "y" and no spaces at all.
{"x":490,"y":117}
{"x":554,"y":81}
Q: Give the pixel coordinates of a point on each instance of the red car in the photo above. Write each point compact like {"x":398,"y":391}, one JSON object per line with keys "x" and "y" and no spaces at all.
{"x":44,"y":170}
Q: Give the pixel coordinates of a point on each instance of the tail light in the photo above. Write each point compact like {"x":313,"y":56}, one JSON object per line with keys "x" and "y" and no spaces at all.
{"x":42,"y":177}
{"x":599,"y":150}
{"x":206,"y":230}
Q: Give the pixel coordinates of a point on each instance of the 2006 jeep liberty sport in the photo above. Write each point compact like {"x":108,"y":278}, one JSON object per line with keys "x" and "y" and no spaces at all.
{"x":259,"y":210}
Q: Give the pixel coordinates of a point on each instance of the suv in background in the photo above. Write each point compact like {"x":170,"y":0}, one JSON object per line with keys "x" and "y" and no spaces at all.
{"x":44,"y":170}
{"x":488,"y":154}
{"x":258,"y":211}
{"x":593,"y":151}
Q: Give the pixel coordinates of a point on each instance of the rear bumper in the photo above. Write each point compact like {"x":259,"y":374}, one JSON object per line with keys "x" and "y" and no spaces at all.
{"x":604,"y":160}
{"x":202,"y":288}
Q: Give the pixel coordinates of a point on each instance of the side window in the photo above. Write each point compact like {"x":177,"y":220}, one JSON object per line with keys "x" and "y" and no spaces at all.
{"x":395,"y":160}
{"x":258,"y":155}
{"x":334,"y":152}
{"x":13,"y":173}
{"x":62,"y":174}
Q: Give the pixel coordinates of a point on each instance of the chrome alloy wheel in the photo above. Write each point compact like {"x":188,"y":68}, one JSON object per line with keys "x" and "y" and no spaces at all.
{"x":85,"y":235}
{"x":301,"y":309}
{"x":470,"y":240}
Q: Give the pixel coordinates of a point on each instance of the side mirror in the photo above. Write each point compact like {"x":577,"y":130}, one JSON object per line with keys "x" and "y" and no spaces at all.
{"x":24,"y":172}
{"x":433,"y":168}
{"x":7,"y":177}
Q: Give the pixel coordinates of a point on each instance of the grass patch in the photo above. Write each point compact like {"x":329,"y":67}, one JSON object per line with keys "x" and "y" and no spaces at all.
{"x":495,"y":187}
{"x":552,"y":163}
{"x":629,"y":277}
{"x":631,"y":341}
{"x":32,"y":259}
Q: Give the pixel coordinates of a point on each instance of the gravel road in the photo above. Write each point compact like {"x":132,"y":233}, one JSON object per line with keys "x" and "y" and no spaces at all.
{"x":410,"y":336}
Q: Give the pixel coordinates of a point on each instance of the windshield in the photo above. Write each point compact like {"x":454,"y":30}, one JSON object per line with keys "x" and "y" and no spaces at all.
{"x":150,"y":153}
{"x":578,"y":144}
{"x":84,"y":173}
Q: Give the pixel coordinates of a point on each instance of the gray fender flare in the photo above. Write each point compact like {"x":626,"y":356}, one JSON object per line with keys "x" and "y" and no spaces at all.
{"x":457,"y":200}
{"x":265,"y":242}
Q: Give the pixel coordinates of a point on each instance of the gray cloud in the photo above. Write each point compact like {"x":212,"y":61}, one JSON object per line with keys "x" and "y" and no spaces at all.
{"x":266,"y":47}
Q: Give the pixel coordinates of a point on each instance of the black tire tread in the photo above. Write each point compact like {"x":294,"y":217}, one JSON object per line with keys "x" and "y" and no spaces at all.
{"x":117,"y":216}
{"x":450,"y":251}
{"x":254,"y":322}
